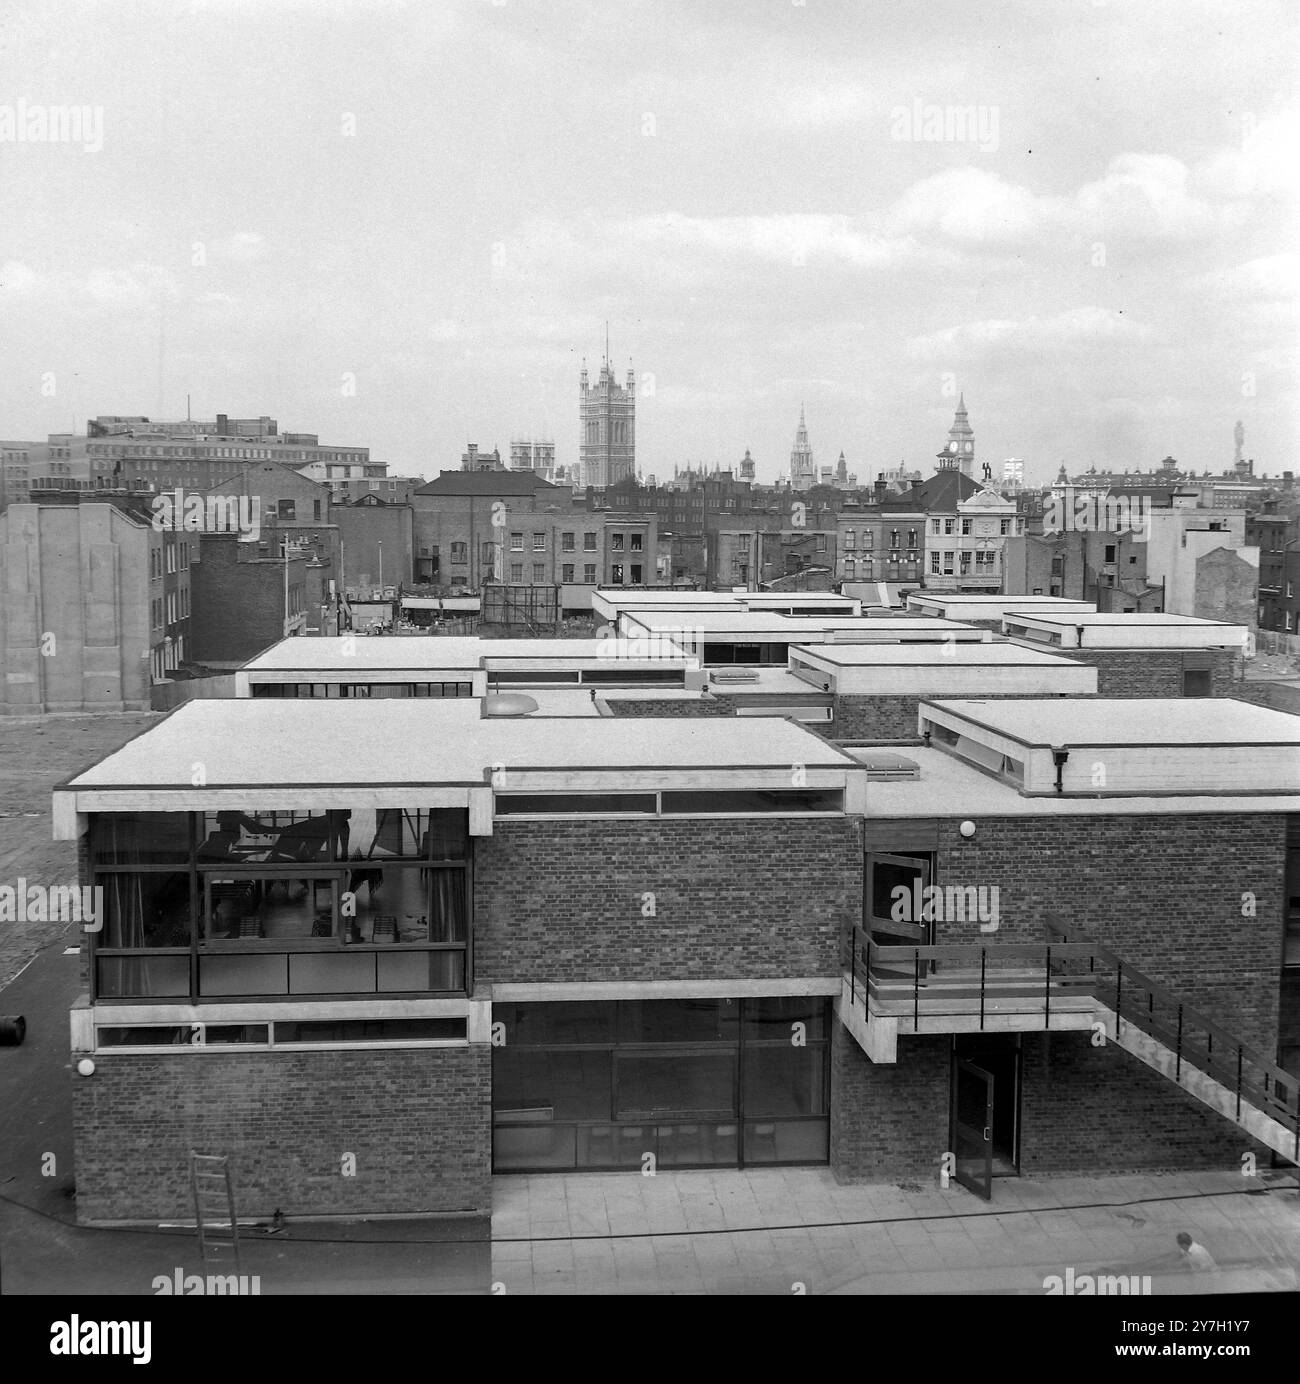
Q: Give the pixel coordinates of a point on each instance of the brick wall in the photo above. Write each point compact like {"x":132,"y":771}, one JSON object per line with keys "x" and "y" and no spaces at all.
{"x":237,"y":605}
{"x":666,"y":707}
{"x":1082,"y":1110}
{"x":562,"y":900}
{"x":1165,"y":893}
{"x":1149,"y":672}
{"x":1098,"y":1109}
{"x":418,"y":1121}
{"x":1276,"y":696}
{"x":889,"y":1120}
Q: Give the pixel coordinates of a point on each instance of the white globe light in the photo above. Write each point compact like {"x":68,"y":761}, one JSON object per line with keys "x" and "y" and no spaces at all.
{"x":967,"y":828}
{"x":86,"y":1067}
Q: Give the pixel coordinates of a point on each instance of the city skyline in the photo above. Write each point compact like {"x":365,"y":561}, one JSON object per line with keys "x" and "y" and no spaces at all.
{"x":411,"y":237}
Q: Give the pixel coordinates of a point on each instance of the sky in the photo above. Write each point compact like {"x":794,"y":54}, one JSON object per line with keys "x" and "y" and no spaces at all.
{"x":405,"y":225}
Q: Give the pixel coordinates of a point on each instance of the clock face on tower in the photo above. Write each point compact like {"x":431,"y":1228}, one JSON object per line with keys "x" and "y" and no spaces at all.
{"x":952,"y":446}
{"x":968,"y":446}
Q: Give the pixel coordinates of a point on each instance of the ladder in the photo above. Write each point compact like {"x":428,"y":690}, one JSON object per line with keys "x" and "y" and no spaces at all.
{"x":214,"y":1204}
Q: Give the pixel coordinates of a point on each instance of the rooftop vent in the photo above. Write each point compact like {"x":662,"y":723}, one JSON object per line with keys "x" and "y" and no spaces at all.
{"x":729,"y":675}
{"x":508,"y":704}
{"x":886,"y":764}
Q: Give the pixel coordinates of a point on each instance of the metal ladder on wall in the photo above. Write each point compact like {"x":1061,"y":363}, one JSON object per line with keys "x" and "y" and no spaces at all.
{"x":214,"y":1204}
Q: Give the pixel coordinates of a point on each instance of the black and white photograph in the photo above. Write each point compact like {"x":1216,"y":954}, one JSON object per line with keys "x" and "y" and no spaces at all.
{"x":817,"y":479}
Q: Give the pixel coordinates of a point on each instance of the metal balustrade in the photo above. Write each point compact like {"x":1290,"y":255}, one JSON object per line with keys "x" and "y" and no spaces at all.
{"x":1029,"y":978}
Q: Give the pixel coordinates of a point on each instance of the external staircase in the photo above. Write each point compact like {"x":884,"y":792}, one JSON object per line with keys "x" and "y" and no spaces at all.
{"x":1067,"y":983}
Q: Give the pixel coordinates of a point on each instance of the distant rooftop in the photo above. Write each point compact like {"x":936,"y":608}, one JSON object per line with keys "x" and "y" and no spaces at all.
{"x":965,"y":653}
{"x":422,"y":653}
{"x":1127,"y":620}
{"x":797,"y":627}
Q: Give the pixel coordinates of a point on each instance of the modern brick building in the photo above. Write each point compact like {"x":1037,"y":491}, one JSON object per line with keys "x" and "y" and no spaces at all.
{"x":763,"y":637}
{"x":876,"y":689}
{"x":510,"y":942}
{"x":1157,"y":655}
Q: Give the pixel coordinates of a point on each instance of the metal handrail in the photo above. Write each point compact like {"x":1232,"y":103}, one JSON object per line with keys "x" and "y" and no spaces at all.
{"x":1196,"y":1040}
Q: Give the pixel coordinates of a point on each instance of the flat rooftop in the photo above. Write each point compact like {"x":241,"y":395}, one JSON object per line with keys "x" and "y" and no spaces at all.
{"x":965,"y":653}
{"x":1125,"y":620}
{"x":1130,"y":630}
{"x":631,"y":599}
{"x":948,"y":787}
{"x":1130,"y":721}
{"x":793,"y":627}
{"x":401,"y":653}
{"x":255,"y":743}
{"x":993,"y":598}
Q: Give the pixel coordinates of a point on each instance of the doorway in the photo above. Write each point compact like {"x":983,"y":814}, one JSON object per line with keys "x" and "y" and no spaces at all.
{"x":985,"y":1109}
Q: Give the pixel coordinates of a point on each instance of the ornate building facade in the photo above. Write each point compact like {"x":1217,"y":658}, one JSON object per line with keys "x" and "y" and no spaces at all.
{"x":607,"y":451}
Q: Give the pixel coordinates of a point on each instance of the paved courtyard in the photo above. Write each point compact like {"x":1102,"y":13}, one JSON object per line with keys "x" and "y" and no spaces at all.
{"x":797,"y":1230}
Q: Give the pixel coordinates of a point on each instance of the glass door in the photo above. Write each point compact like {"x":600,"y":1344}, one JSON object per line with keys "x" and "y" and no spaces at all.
{"x":972,"y":1127}
{"x":896,"y":905}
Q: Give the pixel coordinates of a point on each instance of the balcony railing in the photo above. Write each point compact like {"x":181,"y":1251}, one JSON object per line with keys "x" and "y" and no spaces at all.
{"x":983,"y":982}
{"x":1194,"y":1040}
{"x":979,"y":980}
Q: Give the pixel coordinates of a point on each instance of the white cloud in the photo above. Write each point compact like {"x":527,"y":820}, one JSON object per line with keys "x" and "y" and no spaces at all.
{"x":1079,"y":327}
{"x":1273,"y":278}
{"x":971,"y":205}
{"x":135,"y":286}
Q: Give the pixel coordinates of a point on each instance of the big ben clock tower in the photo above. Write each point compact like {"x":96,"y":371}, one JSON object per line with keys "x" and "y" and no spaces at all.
{"x":959,"y":451}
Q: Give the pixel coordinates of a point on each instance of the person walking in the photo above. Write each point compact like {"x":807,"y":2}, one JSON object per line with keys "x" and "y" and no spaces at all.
{"x":1196,"y":1256}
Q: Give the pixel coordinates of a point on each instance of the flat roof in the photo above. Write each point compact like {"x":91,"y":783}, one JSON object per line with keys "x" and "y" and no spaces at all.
{"x":1145,"y":721}
{"x":950,"y":788}
{"x":270,"y":743}
{"x":741,"y":598}
{"x":1126,"y":619}
{"x":768,"y":622}
{"x":990,"y":598}
{"x":963,"y":653}
{"x":392,"y":653}
{"x":768,"y":679}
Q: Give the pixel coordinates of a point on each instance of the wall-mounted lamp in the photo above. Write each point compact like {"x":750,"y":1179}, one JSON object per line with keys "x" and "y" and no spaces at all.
{"x":1059,"y":757}
{"x":967,"y":828}
{"x":86,"y":1067}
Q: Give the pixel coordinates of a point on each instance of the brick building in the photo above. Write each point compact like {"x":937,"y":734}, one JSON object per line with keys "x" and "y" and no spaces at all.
{"x":311,"y":953}
{"x":250,"y":595}
{"x":1140,"y":655}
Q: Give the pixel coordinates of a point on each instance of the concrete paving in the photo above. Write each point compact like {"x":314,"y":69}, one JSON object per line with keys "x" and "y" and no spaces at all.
{"x":796,"y":1230}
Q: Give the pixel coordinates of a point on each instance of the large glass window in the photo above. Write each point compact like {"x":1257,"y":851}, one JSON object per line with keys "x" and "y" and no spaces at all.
{"x":693,"y":1083}
{"x":283,"y":903}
